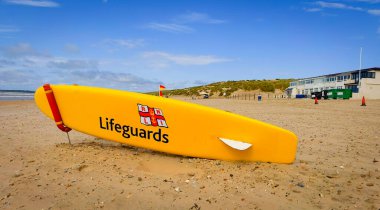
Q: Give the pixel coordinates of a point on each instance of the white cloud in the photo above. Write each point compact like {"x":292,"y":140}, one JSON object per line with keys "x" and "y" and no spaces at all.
{"x":34,"y":3}
{"x":114,"y":45}
{"x":20,"y":50}
{"x":180,"y":24}
{"x":374,"y":12}
{"x":170,"y":27}
{"x":369,"y":1}
{"x":6,"y":62}
{"x":106,"y":79}
{"x":312,"y":9}
{"x":125,"y":43}
{"x":12,"y":76}
{"x":195,"y":17}
{"x":184,"y":59}
{"x":8,"y":29}
{"x":335,"y":5}
{"x":73,"y":64}
{"x":29,"y":80}
{"x":71,"y":48}
{"x":19,"y":79}
{"x":186,"y":83}
{"x":23,"y":67}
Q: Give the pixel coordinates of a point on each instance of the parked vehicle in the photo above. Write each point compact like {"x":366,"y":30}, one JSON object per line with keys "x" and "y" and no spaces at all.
{"x":324,"y":94}
{"x":316,"y":94}
{"x":301,"y":96}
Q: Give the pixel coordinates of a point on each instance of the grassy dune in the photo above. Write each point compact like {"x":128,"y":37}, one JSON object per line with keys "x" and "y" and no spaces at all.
{"x":229,"y":87}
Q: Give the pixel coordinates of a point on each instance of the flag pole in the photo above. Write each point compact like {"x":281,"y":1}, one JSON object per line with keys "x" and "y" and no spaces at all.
{"x":360,"y":67}
{"x":160,"y":90}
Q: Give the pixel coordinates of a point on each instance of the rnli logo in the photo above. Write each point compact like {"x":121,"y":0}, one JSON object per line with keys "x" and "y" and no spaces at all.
{"x":151,"y":116}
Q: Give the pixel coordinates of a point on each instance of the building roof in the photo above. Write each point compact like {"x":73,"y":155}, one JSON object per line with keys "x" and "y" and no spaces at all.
{"x":353,"y":71}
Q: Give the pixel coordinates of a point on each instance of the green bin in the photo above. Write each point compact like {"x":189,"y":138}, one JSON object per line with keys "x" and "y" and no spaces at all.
{"x":332,"y":94}
{"x":344,"y":93}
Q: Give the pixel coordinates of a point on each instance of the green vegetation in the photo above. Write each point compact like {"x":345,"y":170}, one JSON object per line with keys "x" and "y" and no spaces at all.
{"x":229,"y":87}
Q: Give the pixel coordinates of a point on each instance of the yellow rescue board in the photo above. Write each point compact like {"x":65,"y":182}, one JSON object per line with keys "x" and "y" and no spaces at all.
{"x":168,"y":125}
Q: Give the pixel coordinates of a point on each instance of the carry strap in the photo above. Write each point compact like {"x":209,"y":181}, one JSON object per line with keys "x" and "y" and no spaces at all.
{"x":54,"y":109}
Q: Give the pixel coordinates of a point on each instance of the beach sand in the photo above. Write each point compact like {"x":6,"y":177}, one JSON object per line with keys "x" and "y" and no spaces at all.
{"x":336,"y":165}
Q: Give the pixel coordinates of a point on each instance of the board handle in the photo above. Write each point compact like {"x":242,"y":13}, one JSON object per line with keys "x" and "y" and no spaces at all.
{"x":238,"y":145}
{"x":54,"y":109}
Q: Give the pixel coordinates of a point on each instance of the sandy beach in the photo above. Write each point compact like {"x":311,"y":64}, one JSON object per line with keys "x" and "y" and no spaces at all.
{"x":337,"y":164}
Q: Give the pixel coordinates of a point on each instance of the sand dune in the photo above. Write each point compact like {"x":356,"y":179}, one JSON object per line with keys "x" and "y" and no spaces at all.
{"x":336,"y":166}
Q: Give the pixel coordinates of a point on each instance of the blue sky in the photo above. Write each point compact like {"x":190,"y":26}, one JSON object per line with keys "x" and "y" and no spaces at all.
{"x":137,"y":45}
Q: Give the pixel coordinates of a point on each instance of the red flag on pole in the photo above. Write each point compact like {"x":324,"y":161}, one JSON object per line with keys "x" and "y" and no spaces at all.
{"x":161,"y":89}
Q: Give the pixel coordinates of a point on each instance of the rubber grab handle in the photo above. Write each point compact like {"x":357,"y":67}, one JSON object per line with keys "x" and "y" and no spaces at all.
{"x":54,"y":109}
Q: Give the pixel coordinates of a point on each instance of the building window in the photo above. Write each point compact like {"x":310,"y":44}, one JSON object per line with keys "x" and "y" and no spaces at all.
{"x":368,"y":74}
{"x":331,"y":79}
{"x":339,"y":78}
{"x":339,"y":87}
{"x":354,"y":88}
{"x":355,"y":76}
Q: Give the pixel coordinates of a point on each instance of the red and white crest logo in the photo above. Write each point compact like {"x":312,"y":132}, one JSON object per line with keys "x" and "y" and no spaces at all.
{"x":151,"y":116}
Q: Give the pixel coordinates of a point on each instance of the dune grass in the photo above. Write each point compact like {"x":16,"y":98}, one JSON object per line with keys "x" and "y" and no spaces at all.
{"x":226,"y":88}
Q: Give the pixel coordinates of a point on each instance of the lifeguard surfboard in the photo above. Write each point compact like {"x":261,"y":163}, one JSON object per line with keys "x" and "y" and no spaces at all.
{"x":165,"y":124}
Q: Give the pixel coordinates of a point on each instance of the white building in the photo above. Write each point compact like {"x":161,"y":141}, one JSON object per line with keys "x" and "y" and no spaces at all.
{"x":368,"y":84}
